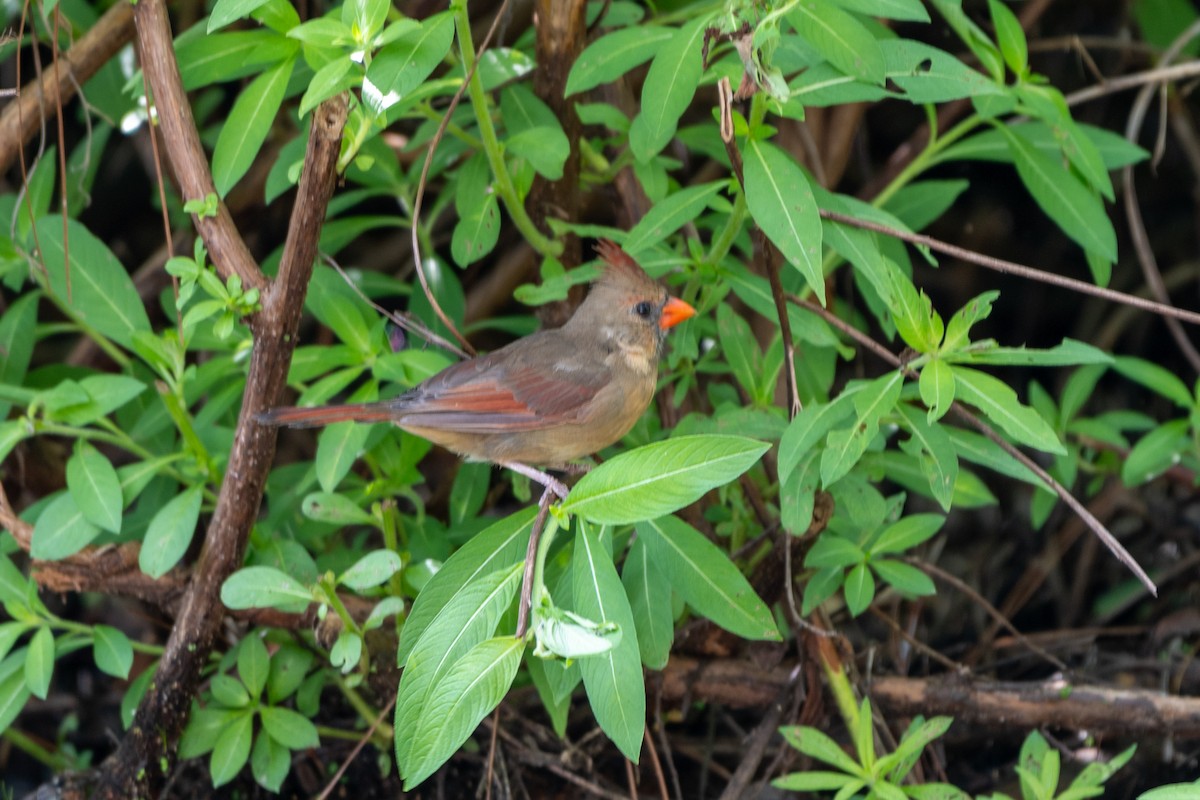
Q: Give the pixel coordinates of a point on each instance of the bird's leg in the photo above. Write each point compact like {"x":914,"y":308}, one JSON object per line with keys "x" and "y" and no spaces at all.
{"x":551,"y":483}
{"x":525,"y":604}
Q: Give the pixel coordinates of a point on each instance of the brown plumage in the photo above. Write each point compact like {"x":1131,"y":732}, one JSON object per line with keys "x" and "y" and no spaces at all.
{"x":548,"y":398}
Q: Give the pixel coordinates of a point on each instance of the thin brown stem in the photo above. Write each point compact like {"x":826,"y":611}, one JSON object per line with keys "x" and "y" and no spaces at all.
{"x":1013,"y":268}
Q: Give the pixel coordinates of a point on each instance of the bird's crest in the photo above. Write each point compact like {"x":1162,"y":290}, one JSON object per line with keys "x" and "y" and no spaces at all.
{"x":620,"y":270}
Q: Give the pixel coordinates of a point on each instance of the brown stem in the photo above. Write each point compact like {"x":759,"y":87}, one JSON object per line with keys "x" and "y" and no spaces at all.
{"x":144,"y":757}
{"x":226,"y":248}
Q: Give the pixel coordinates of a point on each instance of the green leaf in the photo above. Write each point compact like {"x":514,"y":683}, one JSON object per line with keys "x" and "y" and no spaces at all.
{"x":371,"y":570}
{"x":668,"y":89}
{"x":1000,"y":405}
{"x":101,"y":294}
{"x":650,"y":602}
{"x":335,"y":508}
{"x":61,"y":530}
{"x":1011,"y":37}
{"x":741,"y":350}
{"x":325,"y":32}
{"x":338,"y":447}
{"x":908,"y":10}
{"x":292,"y":730}
{"x":253,"y":664}
{"x":613,"y":679}
{"x":840,"y":38}
{"x":229,"y":691}
{"x":1155,"y":378}
{"x":15,"y":588}
{"x":978,"y":449}
{"x":93,"y":484}
{"x":660,"y":478}
{"x":815,"y":744}
{"x":403,"y":65}
{"x":706,"y":579}
{"x":232,"y":749}
{"x":170,"y":532}
{"x":338,"y":75}
{"x":203,"y":728}
{"x":816,"y":781}
{"x":669,"y":215}
{"x":929,"y":75}
{"x":978,"y":308}
{"x":289,"y":665}
{"x":1073,"y":207}
{"x":16,"y":343}
{"x":112,"y":651}
{"x":904,"y":578}
{"x":781,"y":202}
{"x":1069,"y":353}
{"x":264,"y":587}
{"x":39,"y":662}
{"x":227,"y":11}
{"x":469,"y":619}
{"x":809,"y":427}
{"x":907,"y":533}
{"x":497,"y":547}
{"x":218,"y":57}
{"x":246,"y":129}
{"x":476,"y":234}
{"x":534,"y":132}
{"x":859,"y":589}
{"x":458,"y":703}
{"x":270,"y":762}
{"x":832,"y":551}
{"x":13,"y":696}
{"x":845,"y":446}
{"x":1156,"y":452}
{"x":937,"y":388}
{"x":1115,"y":150}
{"x":614,"y":54}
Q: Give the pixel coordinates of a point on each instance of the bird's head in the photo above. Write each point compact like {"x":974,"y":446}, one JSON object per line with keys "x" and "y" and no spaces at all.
{"x":628,"y":308}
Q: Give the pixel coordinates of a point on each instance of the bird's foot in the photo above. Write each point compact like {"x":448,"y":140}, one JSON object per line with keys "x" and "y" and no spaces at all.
{"x":544,"y":478}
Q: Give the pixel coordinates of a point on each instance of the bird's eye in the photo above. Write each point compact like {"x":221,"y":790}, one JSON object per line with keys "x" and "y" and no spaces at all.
{"x":643,"y":309}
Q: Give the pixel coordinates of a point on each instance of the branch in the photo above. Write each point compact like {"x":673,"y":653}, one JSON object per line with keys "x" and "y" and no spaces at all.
{"x":57,"y":85}
{"x":1053,"y":703}
{"x":226,"y":248}
{"x":144,"y":757}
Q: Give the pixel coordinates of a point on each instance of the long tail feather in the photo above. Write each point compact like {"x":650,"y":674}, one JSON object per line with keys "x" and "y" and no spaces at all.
{"x":294,"y":417}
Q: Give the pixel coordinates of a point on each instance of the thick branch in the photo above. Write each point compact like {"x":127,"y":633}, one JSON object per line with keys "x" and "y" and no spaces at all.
{"x":59,"y":83}
{"x":228,"y":252}
{"x":144,"y":756}
{"x":1055,"y":704}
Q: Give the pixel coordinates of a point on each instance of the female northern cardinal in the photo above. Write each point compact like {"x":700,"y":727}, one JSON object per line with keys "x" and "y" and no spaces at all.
{"x":548,"y":398}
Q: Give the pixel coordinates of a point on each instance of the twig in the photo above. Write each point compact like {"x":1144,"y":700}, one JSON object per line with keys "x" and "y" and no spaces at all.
{"x":362,"y":742}
{"x":1013,"y":268}
{"x":525,"y":603}
{"x":990,"y":609}
{"x":765,"y":253}
{"x":421,"y":183}
{"x":1133,"y":213}
{"x":408,"y":322}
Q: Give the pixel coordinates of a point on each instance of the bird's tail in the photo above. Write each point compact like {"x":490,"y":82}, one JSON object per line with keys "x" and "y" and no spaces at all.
{"x":316,"y":416}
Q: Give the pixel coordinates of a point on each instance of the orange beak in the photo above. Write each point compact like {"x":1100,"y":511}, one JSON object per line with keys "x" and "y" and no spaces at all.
{"x":675,"y":312}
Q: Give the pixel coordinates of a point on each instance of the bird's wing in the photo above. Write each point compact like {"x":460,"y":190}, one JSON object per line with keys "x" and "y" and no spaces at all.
{"x":504,"y":393}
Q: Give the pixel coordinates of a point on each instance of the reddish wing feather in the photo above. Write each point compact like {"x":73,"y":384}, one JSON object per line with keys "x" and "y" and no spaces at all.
{"x":493,"y":396}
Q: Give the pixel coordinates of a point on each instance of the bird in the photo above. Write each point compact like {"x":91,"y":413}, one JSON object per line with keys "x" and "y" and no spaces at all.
{"x":547,"y":399}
